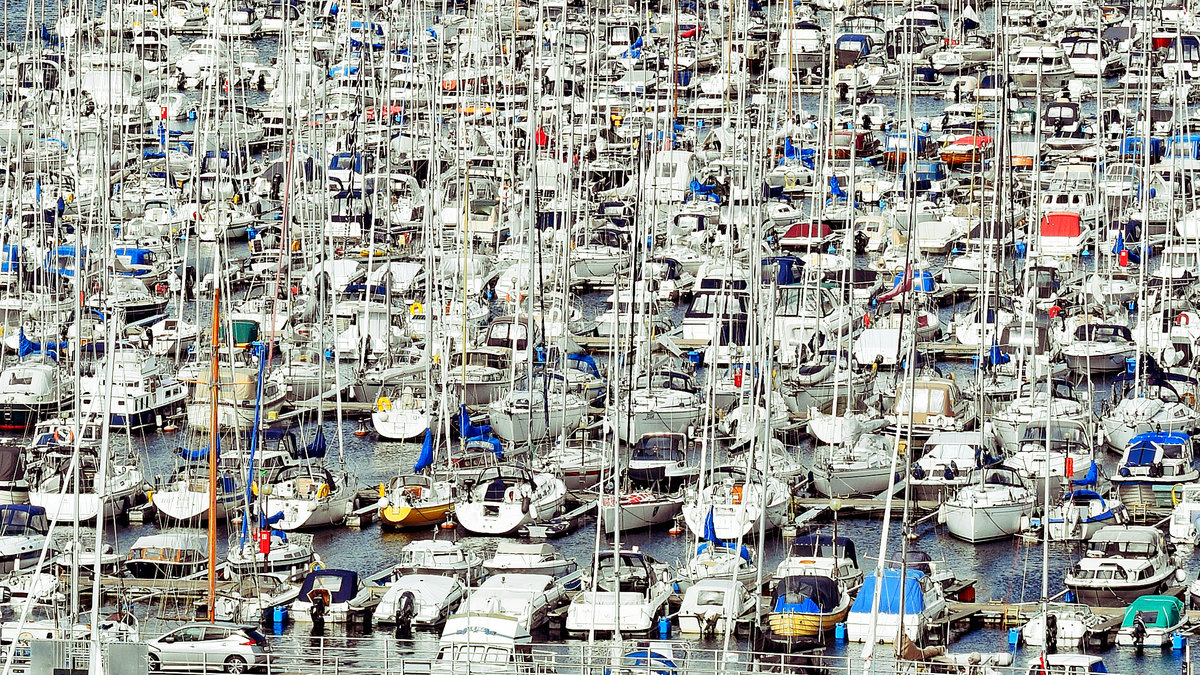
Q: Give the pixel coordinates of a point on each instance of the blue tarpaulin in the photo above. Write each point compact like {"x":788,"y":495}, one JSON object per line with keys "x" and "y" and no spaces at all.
{"x":889,"y":596}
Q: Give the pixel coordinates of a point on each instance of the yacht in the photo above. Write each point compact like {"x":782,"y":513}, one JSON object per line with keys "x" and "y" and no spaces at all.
{"x":628,"y":595}
{"x":924,"y":601}
{"x":1122,"y":563}
{"x":431,"y":600}
{"x":996,"y":503}
{"x":1152,"y":466}
{"x":948,"y":461}
{"x":142,"y":391}
{"x":309,"y":496}
{"x":23,"y":532}
{"x":168,"y":555}
{"x":414,"y":500}
{"x":504,"y":498}
{"x":735,"y":499}
{"x":660,"y":460}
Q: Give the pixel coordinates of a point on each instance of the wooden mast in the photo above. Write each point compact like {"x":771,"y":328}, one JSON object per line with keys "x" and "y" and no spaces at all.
{"x":214,"y":391}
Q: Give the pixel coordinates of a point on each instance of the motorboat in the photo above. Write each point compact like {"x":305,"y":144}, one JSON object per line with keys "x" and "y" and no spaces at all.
{"x":1121,"y":564}
{"x":710,"y":606}
{"x":516,"y":558}
{"x":492,"y":643}
{"x":23,"y":532}
{"x":431,"y":600}
{"x":660,"y":460}
{"x":530,"y":598}
{"x":1152,"y":467}
{"x":168,"y":555}
{"x":1061,"y":625}
{"x":441,"y":557}
{"x":340,"y":592}
{"x":259,"y":551}
{"x":875,"y":614}
{"x":1150,"y":621}
{"x":628,"y":595}
{"x":1184,"y":526}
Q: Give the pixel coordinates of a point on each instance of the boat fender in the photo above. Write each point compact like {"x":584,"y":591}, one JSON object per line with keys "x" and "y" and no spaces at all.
{"x":323,"y":491}
{"x":1051,"y":637}
{"x":525,"y":503}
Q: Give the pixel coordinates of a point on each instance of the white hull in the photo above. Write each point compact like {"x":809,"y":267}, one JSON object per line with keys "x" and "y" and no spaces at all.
{"x":983,"y":523}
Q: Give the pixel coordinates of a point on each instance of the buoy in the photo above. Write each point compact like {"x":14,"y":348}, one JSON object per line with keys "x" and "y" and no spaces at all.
{"x":170,"y":428}
{"x":449,"y":524}
{"x":362,"y":429}
{"x":676,"y":530}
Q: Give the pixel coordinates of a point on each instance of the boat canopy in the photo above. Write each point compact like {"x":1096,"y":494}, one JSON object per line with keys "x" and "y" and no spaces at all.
{"x":889,"y":595}
{"x":805,"y":594}
{"x":1154,"y":611}
{"x":1061,"y":224}
{"x":341,"y":584}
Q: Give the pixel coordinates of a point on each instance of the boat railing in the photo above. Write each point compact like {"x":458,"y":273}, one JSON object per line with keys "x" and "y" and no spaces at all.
{"x":383,"y":654}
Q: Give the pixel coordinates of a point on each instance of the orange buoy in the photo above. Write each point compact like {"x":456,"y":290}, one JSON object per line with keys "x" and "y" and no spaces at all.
{"x":362,"y":429}
{"x":676,"y":530}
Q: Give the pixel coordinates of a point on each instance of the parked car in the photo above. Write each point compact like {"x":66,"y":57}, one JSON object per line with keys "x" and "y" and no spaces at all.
{"x":209,"y":646}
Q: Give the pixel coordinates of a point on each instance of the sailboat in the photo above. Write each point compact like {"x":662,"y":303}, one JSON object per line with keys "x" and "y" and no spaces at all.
{"x":416,"y":499}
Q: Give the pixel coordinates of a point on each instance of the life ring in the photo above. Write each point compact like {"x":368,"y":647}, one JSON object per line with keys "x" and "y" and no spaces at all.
{"x":63,"y":435}
{"x":866,"y":320}
{"x":554,"y":315}
{"x":323,"y":491}
{"x":1053,"y":312}
{"x":1183,"y":319}
{"x":511,"y":495}
{"x":1175,"y":495}
{"x":383,"y":404}
{"x":1189,"y":398}
{"x":416,"y":308}
{"x":316,"y":566}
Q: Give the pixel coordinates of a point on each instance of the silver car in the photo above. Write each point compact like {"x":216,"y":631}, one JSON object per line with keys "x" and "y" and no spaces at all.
{"x":209,"y":646}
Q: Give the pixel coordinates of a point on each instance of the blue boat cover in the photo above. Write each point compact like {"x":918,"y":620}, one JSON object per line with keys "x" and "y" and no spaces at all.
{"x":889,"y":596}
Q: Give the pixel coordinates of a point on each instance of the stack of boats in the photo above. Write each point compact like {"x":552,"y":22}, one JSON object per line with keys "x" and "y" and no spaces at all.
{"x":674,"y":265}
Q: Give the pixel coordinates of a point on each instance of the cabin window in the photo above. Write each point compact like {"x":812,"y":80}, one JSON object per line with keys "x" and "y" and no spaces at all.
{"x":667,"y":169}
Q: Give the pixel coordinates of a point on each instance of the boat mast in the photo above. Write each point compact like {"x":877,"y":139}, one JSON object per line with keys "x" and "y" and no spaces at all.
{"x":214,"y":389}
